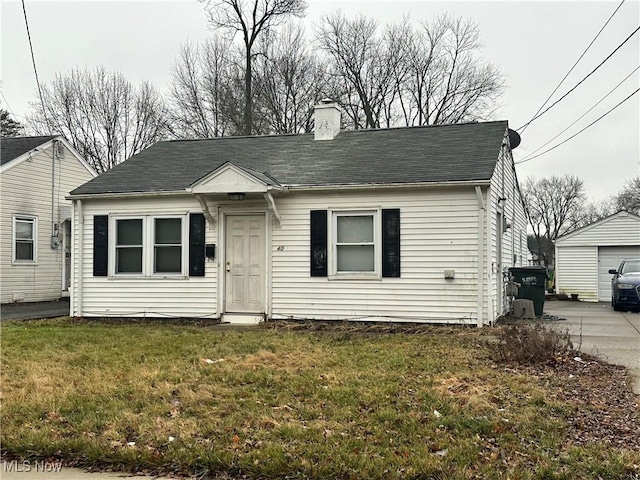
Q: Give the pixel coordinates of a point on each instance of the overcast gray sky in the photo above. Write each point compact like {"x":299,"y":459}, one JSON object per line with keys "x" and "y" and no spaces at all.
{"x":533,"y":43}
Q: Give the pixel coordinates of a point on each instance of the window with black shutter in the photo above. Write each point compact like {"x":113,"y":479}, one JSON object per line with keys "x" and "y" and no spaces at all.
{"x":100,"y":245}
{"x":360,"y":243}
{"x":391,"y":242}
{"x":318,"y":243}
{"x":196,"y":244}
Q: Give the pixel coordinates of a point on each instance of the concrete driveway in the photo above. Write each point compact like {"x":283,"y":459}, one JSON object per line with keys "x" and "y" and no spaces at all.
{"x":594,"y":327}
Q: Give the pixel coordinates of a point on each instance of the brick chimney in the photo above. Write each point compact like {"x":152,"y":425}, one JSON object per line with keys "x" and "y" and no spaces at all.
{"x":326,"y":120}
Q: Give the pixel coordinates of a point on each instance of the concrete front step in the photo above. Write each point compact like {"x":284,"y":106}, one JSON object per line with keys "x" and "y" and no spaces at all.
{"x":242,"y":318}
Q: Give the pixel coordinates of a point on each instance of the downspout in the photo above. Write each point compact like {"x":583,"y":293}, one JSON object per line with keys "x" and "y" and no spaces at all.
{"x":481,"y":214}
{"x":79,"y":257}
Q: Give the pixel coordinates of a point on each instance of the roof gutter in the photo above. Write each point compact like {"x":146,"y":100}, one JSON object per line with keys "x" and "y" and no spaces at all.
{"x":377,"y":186}
{"x":285,"y":188}
{"x":97,"y":196}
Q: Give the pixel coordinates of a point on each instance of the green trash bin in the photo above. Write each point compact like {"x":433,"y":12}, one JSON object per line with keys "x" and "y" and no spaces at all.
{"x":533,"y":285}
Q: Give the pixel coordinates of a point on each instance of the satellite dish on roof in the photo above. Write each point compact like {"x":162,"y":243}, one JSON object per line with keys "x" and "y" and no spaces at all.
{"x":514,"y":139}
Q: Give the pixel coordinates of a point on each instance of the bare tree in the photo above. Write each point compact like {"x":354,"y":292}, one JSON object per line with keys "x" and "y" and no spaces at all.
{"x":203,"y":93}
{"x":289,"y":80}
{"x":596,"y":210}
{"x":629,"y":197}
{"x":447,"y":82}
{"x":554,"y":207}
{"x":430,"y":75}
{"x":364,"y":62}
{"x":104,"y":116}
{"x":251,"y":19}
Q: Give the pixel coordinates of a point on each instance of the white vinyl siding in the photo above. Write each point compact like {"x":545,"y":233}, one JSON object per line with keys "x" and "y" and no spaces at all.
{"x":156,"y":295}
{"x":504,"y":197}
{"x":26,"y":189}
{"x":438,"y":231}
{"x":622,"y":229}
{"x":577,"y":272}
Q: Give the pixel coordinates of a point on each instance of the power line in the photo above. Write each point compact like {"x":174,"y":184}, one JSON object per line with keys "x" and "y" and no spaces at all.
{"x":7,"y":103}
{"x":33,"y":60}
{"x":579,"y":132}
{"x":582,"y":116}
{"x":571,"y":69}
{"x":580,"y":82}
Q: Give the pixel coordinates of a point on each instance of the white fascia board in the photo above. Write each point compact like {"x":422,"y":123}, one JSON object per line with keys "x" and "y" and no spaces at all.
{"x":288,"y":188}
{"x":377,"y":186}
{"x":109,"y":195}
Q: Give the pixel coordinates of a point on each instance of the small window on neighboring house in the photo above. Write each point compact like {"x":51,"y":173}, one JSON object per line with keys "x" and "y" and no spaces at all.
{"x":129,"y":245}
{"x":167,"y":248}
{"x":24,"y":234}
{"x":355,"y":246}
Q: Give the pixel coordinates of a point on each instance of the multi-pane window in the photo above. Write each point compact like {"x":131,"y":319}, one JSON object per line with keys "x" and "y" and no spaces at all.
{"x":167,"y":247}
{"x":355,"y":246}
{"x":148,"y":245}
{"x":129,"y":249}
{"x":24,"y":246}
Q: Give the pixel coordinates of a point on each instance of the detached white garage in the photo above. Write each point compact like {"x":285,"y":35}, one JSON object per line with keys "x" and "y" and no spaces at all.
{"x":584,"y":256}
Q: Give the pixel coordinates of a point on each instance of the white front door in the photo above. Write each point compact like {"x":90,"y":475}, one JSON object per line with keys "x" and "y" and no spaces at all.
{"x":245,"y":264}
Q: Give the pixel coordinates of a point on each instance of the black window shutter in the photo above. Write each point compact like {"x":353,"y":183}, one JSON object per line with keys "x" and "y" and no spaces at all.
{"x":391,"y":242}
{"x":318,"y":243}
{"x":100,"y":245}
{"x":196,"y":245}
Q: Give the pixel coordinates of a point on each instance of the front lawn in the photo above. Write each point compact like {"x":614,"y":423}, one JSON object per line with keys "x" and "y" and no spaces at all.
{"x":276,"y":403}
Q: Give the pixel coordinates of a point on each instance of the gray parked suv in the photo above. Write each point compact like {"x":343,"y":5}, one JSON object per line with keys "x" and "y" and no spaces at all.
{"x":625,"y":285}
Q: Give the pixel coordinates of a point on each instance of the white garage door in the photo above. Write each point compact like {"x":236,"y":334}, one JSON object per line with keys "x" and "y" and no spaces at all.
{"x":610,"y":257}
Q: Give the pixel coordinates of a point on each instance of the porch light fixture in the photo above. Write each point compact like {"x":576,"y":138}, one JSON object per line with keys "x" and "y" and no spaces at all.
{"x":236,"y":196}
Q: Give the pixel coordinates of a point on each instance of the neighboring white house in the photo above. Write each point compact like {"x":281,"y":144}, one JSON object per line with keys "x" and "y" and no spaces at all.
{"x":36,"y":174}
{"x":585,"y":256}
{"x":404,"y":224}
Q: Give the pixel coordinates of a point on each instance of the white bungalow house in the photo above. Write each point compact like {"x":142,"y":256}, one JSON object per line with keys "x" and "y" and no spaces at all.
{"x":585,"y":256}
{"x":36,"y":173}
{"x":404,"y":224}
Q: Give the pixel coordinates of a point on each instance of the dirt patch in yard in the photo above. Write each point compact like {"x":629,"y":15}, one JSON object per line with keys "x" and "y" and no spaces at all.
{"x":604,"y":408}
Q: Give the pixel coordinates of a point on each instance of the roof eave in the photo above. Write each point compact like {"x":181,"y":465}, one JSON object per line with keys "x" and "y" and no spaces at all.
{"x":369,"y":186}
{"x":327,"y":187}
{"x":96,"y":196}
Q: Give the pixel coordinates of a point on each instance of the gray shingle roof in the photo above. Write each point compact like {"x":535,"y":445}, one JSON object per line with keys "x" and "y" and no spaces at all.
{"x":441,"y":153}
{"x":13,"y":147}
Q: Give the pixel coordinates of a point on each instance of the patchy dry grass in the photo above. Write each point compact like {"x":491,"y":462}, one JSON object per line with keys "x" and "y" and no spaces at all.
{"x":282,"y":403}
